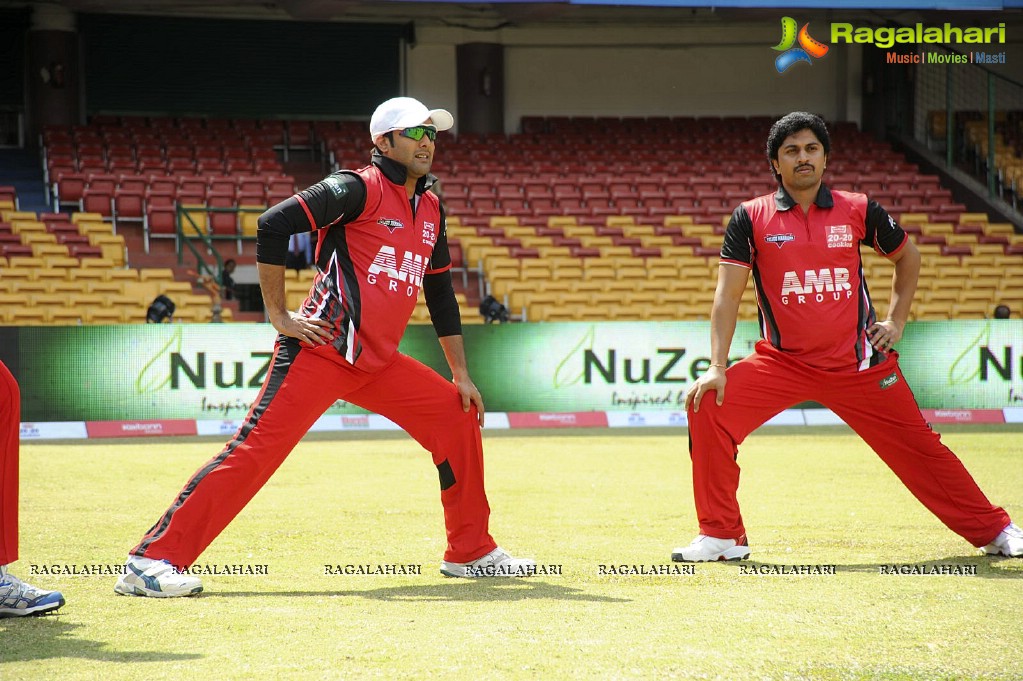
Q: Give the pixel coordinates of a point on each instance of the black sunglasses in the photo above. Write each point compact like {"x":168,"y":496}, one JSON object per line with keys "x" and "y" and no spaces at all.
{"x":416,"y":133}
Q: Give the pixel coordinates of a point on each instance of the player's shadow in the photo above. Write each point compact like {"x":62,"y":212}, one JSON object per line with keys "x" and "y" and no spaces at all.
{"x":987,"y":567}
{"x":48,"y":636}
{"x":483,"y":590}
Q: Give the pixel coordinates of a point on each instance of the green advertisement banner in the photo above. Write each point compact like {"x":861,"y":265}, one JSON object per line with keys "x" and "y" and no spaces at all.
{"x":170,"y":371}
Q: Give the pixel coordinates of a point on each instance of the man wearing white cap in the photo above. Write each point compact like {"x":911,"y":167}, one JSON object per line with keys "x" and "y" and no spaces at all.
{"x":380,"y":237}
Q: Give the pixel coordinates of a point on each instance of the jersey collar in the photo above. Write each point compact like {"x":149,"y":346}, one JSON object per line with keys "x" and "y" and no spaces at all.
{"x":783,"y":201}
{"x":396,"y":172}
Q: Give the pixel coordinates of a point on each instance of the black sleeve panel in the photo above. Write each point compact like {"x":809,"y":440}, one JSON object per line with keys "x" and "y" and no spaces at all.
{"x":339,"y":198}
{"x":441,"y":257}
{"x":738,"y":243}
{"x":883,"y":233}
{"x":440,"y":299}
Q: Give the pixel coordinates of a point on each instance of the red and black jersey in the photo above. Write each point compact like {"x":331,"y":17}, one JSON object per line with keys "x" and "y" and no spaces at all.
{"x":812,"y":297}
{"x":374,"y":248}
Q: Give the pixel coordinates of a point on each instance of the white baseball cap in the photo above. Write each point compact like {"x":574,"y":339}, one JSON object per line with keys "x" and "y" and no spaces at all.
{"x":405,"y":112}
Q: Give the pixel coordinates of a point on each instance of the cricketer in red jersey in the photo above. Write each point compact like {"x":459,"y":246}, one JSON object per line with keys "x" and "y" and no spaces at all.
{"x":380,"y":238}
{"x":17,"y":598}
{"x":821,"y":341}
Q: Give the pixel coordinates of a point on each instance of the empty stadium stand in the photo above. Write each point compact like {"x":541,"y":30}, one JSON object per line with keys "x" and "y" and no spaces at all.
{"x":575,"y":218}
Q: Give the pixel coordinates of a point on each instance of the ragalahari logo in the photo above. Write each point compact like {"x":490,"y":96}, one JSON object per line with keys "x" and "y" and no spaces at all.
{"x":808,"y":47}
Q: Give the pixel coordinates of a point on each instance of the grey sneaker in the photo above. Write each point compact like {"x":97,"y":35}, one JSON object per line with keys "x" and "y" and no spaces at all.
{"x":705,"y":549}
{"x":1009,"y":542}
{"x":156,"y":579}
{"x":497,"y":563}
{"x":18,"y":599}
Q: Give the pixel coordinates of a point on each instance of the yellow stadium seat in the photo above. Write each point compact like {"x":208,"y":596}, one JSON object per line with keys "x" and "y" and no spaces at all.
{"x":621,"y":286}
{"x":973,"y":218}
{"x":559,"y":313}
{"x":66,"y":316}
{"x":982,"y":250}
{"x":59,"y":263}
{"x":947,"y":296}
{"x":640,"y":231}
{"x":972,"y":310}
{"x":32,"y":225}
{"x":587,"y":285}
{"x":135,"y":315}
{"x":653,"y":241}
{"x":927,"y":311}
{"x":21,"y":262}
{"x":700,"y":230}
{"x":82,"y":299}
{"x":27,"y":287}
{"x":103,"y":315}
{"x":28,"y":316}
{"x":142,"y":291}
{"x":538,"y":242}
{"x":561,"y":221}
{"x":249,"y":219}
{"x":80,"y":276}
{"x":91,"y":227}
{"x":47,"y":299}
{"x":937,"y":228}
{"x":640,"y":298}
{"x":64,"y":286}
{"x":156,"y":274}
{"x":8,"y":300}
{"x":627,"y":271}
{"x":125,"y":301}
{"x":504,"y":221}
{"x":658,"y":313}
{"x":102,"y":286}
{"x":32,"y":238}
{"x":912,"y":218}
{"x":122,"y":274}
{"x":79,"y":217}
{"x":7,"y":215}
{"x":678,"y":220}
{"x":985,"y":295}
{"x":102,"y":264}
{"x":175,"y":288}
{"x":623,"y":221}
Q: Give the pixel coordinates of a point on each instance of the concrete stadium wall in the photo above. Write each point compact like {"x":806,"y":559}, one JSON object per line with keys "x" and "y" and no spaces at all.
{"x":643,"y":71}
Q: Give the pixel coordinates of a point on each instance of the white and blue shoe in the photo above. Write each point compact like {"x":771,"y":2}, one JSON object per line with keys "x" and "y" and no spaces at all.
{"x":18,"y":599}
{"x":155,"y":579}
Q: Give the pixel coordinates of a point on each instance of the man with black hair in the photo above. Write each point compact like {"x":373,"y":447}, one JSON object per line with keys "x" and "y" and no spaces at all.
{"x":380,"y":237}
{"x":821,"y":341}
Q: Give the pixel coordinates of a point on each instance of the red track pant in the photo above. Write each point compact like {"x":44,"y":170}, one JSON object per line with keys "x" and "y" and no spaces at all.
{"x":301,"y":384}
{"x":882,"y":410}
{"x":10,"y":432}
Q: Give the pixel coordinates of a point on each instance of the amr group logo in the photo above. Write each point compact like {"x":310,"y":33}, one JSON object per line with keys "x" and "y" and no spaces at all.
{"x":796,"y":46}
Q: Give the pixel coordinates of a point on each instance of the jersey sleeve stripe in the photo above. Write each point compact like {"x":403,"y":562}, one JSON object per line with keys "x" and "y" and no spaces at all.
{"x":439,"y":270}
{"x":729,"y":261}
{"x":308,"y":213}
{"x":905,"y":240}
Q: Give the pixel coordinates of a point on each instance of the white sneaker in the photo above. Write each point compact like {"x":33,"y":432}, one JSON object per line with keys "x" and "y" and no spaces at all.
{"x":704,"y":549}
{"x":18,"y":599}
{"x":156,"y":579}
{"x":497,"y":563}
{"x":1009,"y":542}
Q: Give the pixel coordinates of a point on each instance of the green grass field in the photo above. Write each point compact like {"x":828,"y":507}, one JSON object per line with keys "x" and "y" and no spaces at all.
{"x":579,"y":500}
